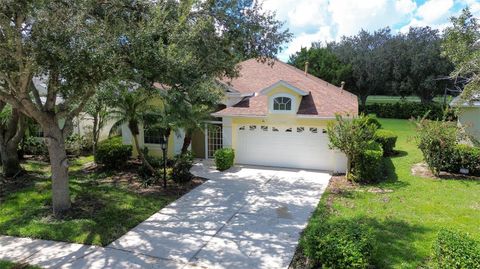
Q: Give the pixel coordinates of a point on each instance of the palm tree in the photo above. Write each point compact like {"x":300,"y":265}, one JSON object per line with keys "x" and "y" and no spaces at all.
{"x":133,"y":107}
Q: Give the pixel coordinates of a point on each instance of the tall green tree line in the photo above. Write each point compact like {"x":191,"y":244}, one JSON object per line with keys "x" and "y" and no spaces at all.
{"x":382,"y":63}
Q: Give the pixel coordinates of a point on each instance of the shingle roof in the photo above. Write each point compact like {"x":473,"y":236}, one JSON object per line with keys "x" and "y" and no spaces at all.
{"x":324,"y":100}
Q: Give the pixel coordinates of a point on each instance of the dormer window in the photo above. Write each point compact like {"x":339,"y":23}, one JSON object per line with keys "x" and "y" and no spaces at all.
{"x":282,"y":103}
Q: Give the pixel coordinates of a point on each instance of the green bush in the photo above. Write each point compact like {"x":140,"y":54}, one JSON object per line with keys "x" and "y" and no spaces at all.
{"x":113,"y":153}
{"x":76,"y":144}
{"x":181,"y":168}
{"x":34,"y":146}
{"x":371,"y":119}
{"x":387,"y":139}
{"x":464,"y":156}
{"x":453,"y":250}
{"x":408,"y":110}
{"x":436,"y":140}
{"x":338,"y":244}
{"x":224,"y":158}
{"x":368,"y":165}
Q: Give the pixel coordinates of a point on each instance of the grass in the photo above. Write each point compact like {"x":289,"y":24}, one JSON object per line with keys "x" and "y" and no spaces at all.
{"x":11,"y":265}
{"x":101,"y":211}
{"x":382,"y":99}
{"x":407,"y":219}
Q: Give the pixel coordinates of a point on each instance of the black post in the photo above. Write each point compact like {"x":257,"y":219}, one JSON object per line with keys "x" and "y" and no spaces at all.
{"x":164,"y":169}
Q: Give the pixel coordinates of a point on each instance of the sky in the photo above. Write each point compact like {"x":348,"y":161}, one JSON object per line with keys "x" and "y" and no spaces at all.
{"x":328,"y":20}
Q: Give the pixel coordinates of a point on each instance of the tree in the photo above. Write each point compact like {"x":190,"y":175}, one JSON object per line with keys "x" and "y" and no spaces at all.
{"x":133,"y":107}
{"x":12,"y":130}
{"x":427,"y":66}
{"x":322,"y":63}
{"x":351,"y":136}
{"x":99,"y":108}
{"x":70,"y":46}
{"x":188,"y":44}
{"x":367,"y":55}
{"x":462,"y":46}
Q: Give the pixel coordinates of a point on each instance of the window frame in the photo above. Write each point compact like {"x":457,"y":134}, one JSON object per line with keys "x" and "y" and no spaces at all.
{"x":293,"y":105}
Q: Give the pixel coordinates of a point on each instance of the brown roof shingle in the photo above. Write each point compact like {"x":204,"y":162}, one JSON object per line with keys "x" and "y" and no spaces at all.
{"x":324,"y":100}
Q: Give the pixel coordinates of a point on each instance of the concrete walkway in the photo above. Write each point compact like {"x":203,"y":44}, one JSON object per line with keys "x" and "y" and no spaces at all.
{"x":246,"y":217}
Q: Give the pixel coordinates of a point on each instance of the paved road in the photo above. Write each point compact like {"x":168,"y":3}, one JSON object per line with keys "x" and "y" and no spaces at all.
{"x":245,"y":217}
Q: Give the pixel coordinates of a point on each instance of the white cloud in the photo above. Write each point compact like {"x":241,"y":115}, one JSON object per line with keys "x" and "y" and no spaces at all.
{"x":327,"y":20}
{"x":434,"y":10}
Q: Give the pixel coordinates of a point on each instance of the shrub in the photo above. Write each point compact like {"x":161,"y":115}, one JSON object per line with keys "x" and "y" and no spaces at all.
{"x":368,"y":165}
{"x":181,"y":168}
{"x":351,"y":136}
{"x":464,"y":156}
{"x":76,"y":144}
{"x":34,"y":146}
{"x":455,"y":250}
{"x":436,"y":140}
{"x":113,"y":153}
{"x":370,"y":119}
{"x":408,"y":110}
{"x":224,"y":158}
{"x":338,"y":244}
{"x":387,"y":139}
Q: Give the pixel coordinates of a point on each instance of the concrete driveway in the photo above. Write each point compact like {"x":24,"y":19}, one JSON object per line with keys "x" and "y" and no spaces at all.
{"x":245,"y":217}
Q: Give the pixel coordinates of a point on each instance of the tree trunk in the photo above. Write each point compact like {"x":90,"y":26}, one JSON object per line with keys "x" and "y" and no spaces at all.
{"x":142,"y":156}
{"x":187,"y":141}
{"x":363,"y":100}
{"x":10,"y":160}
{"x":59,"y":165}
{"x":95,"y":134}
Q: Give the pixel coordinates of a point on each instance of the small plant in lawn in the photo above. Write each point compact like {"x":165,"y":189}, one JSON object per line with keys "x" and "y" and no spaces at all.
{"x":224,"y":158}
{"x":113,"y":153}
{"x":387,"y":139}
{"x":181,"y":168}
{"x":454,"y":250}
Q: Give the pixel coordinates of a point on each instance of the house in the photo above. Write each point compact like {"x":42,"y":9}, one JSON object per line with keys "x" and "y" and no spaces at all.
{"x":468,"y":115}
{"x":272,"y":115}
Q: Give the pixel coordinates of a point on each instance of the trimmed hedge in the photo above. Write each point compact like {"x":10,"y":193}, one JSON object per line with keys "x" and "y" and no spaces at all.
{"x":455,"y":250}
{"x":224,"y":158}
{"x":464,"y":156}
{"x":113,"y":153}
{"x":368,"y":166}
{"x":407,"y":110}
{"x":387,"y":139}
{"x":338,"y":244}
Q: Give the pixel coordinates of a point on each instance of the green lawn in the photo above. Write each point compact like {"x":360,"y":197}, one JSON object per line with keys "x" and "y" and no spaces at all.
{"x":382,"y":99}
{"x":11,"y":265}
{"x":101,"y":211}
{"x":406,"y":220}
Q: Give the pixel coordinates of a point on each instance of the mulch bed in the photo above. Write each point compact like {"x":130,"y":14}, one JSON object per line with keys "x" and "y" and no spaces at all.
{"x":421,"y":170}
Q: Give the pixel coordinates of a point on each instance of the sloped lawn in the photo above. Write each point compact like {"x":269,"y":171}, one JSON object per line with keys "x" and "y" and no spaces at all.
{"x":406,"y":212}
{"x":102,"y":210}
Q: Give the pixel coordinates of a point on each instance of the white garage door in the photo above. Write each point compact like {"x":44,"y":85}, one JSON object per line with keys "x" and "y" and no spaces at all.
{"x":294,"y":147}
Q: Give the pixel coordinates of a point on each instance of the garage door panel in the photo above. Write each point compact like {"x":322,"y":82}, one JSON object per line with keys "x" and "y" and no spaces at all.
{"x":286,"y":149}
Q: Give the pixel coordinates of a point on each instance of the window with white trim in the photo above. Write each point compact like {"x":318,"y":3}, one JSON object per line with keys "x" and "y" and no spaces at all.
{"x":282,"y":103}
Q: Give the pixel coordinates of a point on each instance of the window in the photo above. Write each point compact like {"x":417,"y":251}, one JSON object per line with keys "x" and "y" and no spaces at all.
{"x":264,"y":128}
{"x":289,"y":130}
{"x":252,"y":127}
{"x":152,"y":135}
{"x":282,"y":103}
{"x":300,"y":129}
{"x":313,"y":130}
{"x":241,"y":128}
{"x":274,"y":129}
